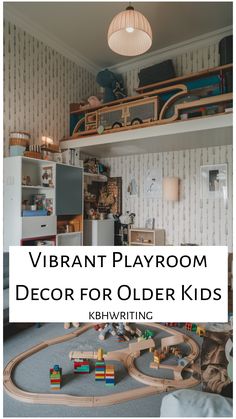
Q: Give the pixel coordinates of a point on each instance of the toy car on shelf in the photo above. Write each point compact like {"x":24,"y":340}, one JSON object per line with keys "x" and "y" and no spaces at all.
{"x":191,"y":96}
{"x":131,"y":112}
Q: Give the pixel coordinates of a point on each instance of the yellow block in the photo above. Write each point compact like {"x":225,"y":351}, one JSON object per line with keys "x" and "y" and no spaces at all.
{"x":100,"y":354}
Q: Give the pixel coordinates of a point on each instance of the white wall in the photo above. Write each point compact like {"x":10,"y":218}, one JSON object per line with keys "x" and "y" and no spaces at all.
{"x":190,"y":220}
{"x":39,"y":85}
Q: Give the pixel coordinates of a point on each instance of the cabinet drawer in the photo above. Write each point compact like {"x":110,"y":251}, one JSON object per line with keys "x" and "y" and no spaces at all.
{"x":38,"y":226}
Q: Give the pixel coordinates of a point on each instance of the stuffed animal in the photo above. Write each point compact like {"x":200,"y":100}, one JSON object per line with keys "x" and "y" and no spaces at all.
{"x":113,"y":85}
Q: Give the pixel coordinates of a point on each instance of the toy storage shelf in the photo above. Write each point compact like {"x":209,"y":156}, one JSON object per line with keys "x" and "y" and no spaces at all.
{"x":190,"y":76}
{"x":97,"y":177}
{"x":36,"y":187}
{"x":146,"y":237}
{"x":31,"y":211}
{"x":193,"y":133}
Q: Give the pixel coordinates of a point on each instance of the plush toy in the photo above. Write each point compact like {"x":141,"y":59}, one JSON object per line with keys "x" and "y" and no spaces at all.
{"x":113,"y":85}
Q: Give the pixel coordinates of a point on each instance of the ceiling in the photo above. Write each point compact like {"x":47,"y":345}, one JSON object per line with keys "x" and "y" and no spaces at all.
{"x":82,"y":26}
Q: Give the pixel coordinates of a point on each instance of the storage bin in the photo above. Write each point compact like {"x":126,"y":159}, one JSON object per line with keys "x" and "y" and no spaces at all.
{"x":17,"y":150}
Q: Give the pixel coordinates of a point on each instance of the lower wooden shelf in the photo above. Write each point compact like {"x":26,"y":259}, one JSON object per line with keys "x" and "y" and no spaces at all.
{"x":146,"y":237}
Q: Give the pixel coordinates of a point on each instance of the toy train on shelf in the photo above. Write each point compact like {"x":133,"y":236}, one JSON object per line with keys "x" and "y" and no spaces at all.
{"x":194,"y":95}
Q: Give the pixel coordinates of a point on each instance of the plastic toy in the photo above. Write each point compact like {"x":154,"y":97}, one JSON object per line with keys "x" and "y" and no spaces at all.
{"x":81,"y":366}
{"x":110,"y":375}
{"x":148,"y":334}
{"x":55,"y":377}
{"x":201,"y":331}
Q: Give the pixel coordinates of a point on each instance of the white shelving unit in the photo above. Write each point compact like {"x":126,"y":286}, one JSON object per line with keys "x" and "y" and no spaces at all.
{"x":19,"y":229}
{"x":70,"y":239}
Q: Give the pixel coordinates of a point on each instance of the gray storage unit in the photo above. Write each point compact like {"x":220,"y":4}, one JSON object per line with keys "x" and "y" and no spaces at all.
{"x":69,"y":194}
{"x":98,"y":233}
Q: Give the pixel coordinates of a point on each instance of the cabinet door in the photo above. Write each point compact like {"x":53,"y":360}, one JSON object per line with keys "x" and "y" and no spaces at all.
{"x":69,"y":190}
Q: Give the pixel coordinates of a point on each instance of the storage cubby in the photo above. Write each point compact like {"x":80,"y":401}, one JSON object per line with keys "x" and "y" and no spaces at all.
{"x":146,"y":237}
{"x":40,"y":241}
{"x":69,"y":224}
{"x":40,"y":196}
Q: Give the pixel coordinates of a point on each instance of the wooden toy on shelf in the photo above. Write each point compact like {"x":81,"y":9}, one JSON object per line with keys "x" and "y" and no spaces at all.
{"x":220,"y":70}
{"x":199,"y":94}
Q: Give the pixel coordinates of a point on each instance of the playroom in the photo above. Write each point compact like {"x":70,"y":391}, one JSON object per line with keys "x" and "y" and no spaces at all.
{"x":117,"y":129}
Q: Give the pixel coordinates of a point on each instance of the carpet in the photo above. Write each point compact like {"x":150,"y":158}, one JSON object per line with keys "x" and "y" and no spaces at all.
{"x":33,"y":375}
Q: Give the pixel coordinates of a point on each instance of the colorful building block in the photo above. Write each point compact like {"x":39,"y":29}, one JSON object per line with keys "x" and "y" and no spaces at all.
{"x":110,"y":375}
{"x":188,"y":326}
{"x":81,"y":366}
{"x":55,"y":375}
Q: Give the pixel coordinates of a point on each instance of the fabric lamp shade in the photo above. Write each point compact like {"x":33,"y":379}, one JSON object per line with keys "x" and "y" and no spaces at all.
{"x":171,"y":188}
{"x":130,"y":33}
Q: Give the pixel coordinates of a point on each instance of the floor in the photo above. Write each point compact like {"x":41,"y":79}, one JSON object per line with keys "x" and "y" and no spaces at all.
{"x":33,"y":375}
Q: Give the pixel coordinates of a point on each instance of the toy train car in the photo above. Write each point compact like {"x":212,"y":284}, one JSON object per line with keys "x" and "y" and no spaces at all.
{"x":133,"y":112}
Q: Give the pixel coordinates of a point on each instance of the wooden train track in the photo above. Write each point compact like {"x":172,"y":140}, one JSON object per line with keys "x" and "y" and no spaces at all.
{"x":127,"y":356}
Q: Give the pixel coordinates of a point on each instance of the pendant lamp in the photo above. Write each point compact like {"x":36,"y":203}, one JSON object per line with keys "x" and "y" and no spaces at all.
{"x":130,"y":33}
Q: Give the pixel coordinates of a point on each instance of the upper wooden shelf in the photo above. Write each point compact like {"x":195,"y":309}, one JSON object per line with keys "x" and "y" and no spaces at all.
{"x":179,"y":135}
{"x":159,"y":132}
{"x":186,"y":77}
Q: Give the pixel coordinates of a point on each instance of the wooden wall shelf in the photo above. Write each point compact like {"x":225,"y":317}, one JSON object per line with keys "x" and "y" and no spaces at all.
{"x":190,"y":76}
{"x":178,"y":135}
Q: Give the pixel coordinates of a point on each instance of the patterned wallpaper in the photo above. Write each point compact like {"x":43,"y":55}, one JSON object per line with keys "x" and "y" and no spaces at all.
{"x":189,"y":220}
{"x":190,"y":61}
{"x":39,"y":85}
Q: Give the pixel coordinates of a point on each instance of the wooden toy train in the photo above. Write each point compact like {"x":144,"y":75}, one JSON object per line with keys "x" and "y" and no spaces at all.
{"x":194,"y":95}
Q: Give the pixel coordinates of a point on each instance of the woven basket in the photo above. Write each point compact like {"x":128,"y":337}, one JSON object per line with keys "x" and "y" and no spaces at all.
{"x":32,"y":154}
{"x":19,"y":141}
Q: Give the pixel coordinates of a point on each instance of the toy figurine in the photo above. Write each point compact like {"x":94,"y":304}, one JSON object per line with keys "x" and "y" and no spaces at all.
{"x":115,"y":329}
{"x":68,"y":325}
{"x":109,"y":328}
